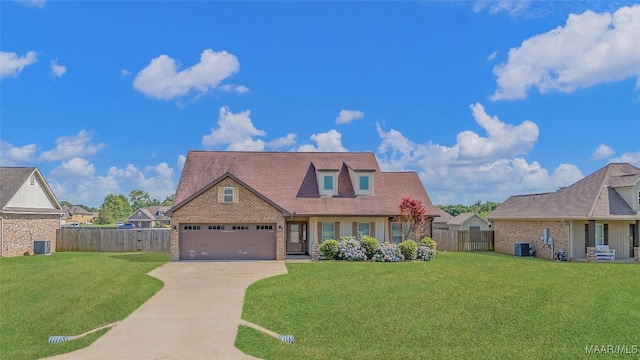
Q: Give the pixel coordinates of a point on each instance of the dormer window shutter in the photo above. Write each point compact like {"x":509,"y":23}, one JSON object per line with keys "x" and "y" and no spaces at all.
{"x":220,"y":194}
{"x":236,"y":194}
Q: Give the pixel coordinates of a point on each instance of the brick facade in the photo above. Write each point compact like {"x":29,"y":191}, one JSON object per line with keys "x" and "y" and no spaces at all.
{"x":205,"y":208}
{"x":19,"y":231}
{"x":509,"y":232}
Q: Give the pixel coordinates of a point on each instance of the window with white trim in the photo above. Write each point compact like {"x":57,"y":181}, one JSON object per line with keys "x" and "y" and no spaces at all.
{"x":638,"y":199}
{"x":364,"y":183}
{"x":327,"y":183}
{"x":227,"y":195}
{"x":328,"y":231}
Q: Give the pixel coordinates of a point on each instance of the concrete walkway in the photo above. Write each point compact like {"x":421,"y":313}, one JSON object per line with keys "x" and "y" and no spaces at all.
{"x":195,"y":315}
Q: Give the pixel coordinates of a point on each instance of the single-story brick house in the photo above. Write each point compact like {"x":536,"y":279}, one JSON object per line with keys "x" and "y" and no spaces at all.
{"x":149,"y":217}
{"x":601,"y":209}
{"x":29,"y":211}
{"x":267,"y":205}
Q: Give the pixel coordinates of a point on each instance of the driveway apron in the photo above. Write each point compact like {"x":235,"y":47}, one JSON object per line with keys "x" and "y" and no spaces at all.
{"x":195,"y":315}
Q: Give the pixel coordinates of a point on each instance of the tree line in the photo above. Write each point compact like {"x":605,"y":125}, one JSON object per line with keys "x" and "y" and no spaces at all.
{"x":480,"y":208}
{"x":118,"y":207}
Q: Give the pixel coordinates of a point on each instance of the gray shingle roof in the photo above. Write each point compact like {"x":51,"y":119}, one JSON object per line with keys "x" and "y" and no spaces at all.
{"x":288,"y":179}
{"x":461,"y":218}
{"x":590,"y":198}
{"x":444,"y":218}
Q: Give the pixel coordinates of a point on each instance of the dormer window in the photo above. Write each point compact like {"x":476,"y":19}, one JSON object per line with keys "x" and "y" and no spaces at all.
{"x":364,"y":183}
{"x":327,"y":183}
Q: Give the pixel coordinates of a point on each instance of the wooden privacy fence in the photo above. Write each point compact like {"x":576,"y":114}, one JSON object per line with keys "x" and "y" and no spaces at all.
{"x":463,"y":240}
{"x":126,"y":240}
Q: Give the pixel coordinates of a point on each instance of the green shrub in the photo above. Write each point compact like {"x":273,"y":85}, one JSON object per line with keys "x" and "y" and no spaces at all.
{"x":329,"y":248}
{"x":409,"y":249}
{"x":429,"y":242}
{"x":370,"y":245}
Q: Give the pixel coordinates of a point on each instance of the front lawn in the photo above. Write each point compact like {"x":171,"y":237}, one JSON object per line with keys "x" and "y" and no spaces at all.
{"x":459,"y":306}
{"x":67,"y":294}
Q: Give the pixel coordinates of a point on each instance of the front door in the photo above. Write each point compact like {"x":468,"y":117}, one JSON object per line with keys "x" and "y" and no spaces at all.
{"x":297,"y":238}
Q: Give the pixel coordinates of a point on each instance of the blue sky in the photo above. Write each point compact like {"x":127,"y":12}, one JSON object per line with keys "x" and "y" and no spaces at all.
{"x":483,"y":99}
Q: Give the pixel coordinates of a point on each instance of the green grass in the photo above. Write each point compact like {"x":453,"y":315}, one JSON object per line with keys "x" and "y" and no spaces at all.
{"x":460,"y":306}
{"x":68,"y":294}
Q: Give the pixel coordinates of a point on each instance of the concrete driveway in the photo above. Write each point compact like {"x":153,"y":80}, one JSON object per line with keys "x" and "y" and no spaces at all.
{"x":195,"y":315}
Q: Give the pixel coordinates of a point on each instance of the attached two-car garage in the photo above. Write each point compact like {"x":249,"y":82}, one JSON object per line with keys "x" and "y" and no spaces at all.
{"x":227,"y":241}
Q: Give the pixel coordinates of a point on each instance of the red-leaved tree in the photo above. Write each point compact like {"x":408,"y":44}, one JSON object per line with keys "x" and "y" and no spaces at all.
{"x":412,"y":218}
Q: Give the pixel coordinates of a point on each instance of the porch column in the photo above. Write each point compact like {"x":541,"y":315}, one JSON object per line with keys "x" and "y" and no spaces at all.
{"x":591,"y":241}
{"x":636,"y":241}
{"x":315,"y":245}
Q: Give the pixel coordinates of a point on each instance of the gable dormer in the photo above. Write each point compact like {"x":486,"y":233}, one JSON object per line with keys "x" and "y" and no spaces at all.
{"x":628,"y":187}
{"x":327,"y":182}
{"x":362,"y":181}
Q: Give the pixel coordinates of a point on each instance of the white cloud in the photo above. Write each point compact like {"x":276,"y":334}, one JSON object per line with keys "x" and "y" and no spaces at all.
{"x":180,"y":162}
{"x":161,"y":80}
{"x":330,"y":141}
{"x":68,"y":147}
{"x":157,"y":180}
{"x":236,"y":130}
{"x":503,"y":140}
{"x":631,"y":158}
{"x":487,"y":168}
{"x":347,"y":116}
{"x":281,"y":142}
{"x":16,"y":155}
{"x":591,"y":48}
{"x":11,"y":64}
{"x":74,"y":168}
{"x":512,"y":7}
{"x":492,"y":56}
{"x":601,"y":152}
{"x":57,"y":70}
{"x":33,"y":3}
{"x":240,"y":89}
{"x":125,"y":72}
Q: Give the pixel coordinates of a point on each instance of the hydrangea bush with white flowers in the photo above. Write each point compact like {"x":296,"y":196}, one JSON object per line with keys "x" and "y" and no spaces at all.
{"x":351,"y":249}
{"x":388,"y":253}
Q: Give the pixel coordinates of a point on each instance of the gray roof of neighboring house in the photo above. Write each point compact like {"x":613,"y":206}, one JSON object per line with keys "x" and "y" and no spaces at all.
{"x":590,"y":198}
{"x":462,"y":218}
{"x":151,"y":213}
{"x":78,"y":210}
{"x":288,"y":180}
{"x":444,"y":218}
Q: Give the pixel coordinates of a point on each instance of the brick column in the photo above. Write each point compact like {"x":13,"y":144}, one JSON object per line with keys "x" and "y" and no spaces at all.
{"x":591,"y":254}
{"x":315,"y":250}
{"x":636,"y":254}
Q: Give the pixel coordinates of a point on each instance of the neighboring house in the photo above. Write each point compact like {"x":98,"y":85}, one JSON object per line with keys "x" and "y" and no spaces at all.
{"x":152,"y":216}
{"x":29,"y":211}
{"x":468,"y":221}
{"x":78,"y":214}
{"x":601,"y":209}
{"x":267,"y":205}
{"x":441,"y":221}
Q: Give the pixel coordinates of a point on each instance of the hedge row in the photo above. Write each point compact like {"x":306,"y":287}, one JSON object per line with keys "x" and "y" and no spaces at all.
{"x":349,"y":248}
